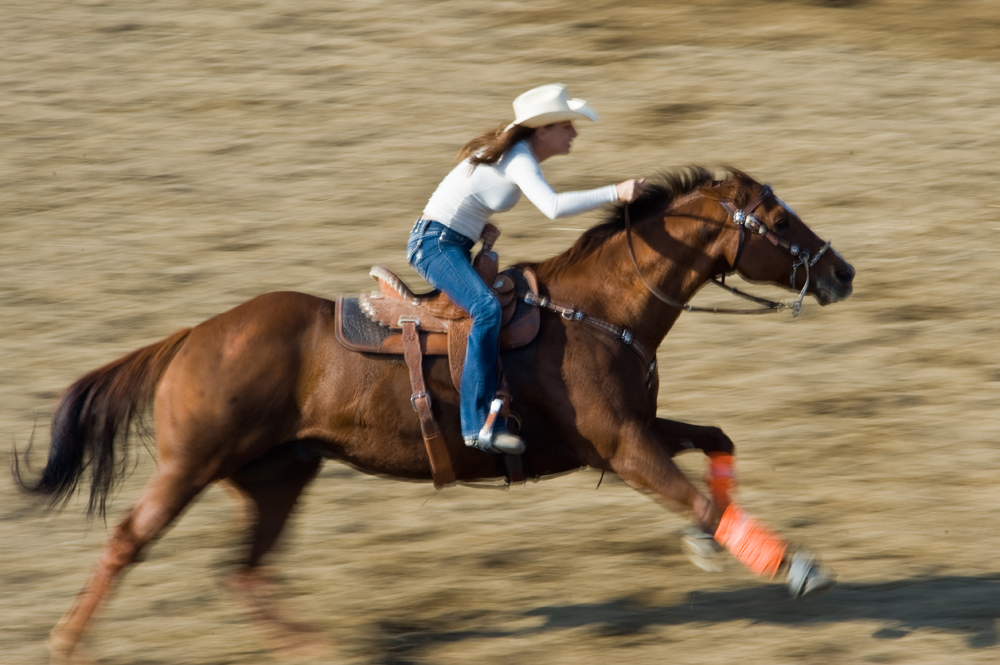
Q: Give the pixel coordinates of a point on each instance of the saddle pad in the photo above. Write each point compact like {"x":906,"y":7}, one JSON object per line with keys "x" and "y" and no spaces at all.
{"x":357,"y":332}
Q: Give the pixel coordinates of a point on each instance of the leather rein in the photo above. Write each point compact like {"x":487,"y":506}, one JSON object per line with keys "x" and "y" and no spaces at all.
{"x":744,"y":220}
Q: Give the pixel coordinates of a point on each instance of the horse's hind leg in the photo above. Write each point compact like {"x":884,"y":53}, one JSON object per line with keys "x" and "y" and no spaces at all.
{"x":270,"y":487}
{"x":165,"y":496}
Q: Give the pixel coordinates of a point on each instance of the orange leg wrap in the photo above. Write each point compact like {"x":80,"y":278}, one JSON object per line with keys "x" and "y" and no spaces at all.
{"x":753,"y":544}
{"x":721,"y":479}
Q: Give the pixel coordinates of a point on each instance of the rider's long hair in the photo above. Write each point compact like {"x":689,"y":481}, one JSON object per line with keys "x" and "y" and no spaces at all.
{"x":490,"y":146}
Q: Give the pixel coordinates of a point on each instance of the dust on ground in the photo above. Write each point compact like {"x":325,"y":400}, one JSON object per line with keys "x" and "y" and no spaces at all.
{"x":164,"y":161}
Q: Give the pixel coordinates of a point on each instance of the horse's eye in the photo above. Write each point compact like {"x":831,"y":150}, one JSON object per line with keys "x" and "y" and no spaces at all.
{"x":781,"y":225}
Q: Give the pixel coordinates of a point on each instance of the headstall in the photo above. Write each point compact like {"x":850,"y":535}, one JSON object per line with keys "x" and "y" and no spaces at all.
{"x":745,"y":220}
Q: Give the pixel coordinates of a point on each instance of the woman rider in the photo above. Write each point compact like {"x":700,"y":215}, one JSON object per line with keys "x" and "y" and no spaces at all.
{"x":494,"y":169}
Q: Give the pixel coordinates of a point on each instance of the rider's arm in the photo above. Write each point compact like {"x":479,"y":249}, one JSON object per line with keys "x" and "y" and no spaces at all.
{"x":525,"y":172}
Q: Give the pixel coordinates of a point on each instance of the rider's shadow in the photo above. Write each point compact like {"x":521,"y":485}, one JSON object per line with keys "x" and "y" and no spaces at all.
{"x":965,"y":605}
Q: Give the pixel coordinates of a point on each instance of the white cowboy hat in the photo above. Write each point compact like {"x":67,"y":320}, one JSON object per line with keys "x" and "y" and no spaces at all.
{"x":547,"y":104}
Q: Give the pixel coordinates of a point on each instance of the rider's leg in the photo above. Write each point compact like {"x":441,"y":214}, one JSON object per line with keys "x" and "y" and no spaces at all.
{"x":442,"y":257}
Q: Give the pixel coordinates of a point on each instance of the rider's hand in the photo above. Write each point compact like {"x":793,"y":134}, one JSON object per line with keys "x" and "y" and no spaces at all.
{"x":490,"y":235}
{"x":630,"y":190}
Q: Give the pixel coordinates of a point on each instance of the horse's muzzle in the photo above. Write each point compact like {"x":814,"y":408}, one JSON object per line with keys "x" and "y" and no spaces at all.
{"x":834,"y":282}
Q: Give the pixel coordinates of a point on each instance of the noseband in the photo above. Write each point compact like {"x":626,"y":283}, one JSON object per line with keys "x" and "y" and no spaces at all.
{"x":745,"y":220}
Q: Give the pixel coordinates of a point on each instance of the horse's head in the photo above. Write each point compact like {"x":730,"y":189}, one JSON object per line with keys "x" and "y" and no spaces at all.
{"x":768,"y":242}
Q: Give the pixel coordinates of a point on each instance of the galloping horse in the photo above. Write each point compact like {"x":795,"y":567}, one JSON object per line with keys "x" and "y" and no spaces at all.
{"x":258,"y":396}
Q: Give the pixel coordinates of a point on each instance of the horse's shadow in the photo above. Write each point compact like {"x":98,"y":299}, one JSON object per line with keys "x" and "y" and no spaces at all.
{"x":964,"y":605}
{"x":967,"y":605}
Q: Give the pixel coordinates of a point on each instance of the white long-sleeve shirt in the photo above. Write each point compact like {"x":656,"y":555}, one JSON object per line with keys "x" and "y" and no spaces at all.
{"x":465,"y":201}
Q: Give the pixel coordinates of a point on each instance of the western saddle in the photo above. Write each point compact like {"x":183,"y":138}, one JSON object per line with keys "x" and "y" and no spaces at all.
{"x":395,"y":320}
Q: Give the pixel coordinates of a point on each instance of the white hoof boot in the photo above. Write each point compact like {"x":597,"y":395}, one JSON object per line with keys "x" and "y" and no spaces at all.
{"x":702,"y":550}
{"x":807,"y":576}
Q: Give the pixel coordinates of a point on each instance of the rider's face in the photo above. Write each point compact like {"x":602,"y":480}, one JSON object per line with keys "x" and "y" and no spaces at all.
{"x":554,"y":139}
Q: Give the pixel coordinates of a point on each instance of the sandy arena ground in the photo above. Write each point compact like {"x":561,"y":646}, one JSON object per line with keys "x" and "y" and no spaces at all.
{"x":161,"y":162}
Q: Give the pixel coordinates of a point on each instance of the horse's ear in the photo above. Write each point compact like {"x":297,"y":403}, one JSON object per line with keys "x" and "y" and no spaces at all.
{"x":710,"y":193}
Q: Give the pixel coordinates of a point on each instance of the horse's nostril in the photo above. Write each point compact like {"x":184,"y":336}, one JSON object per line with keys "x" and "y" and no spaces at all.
{"x":845,"y":275}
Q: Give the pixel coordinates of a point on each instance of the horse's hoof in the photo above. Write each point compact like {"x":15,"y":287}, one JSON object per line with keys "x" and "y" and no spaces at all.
{"x":702,"y":550}
{"x":63,"y":651}
{"x":807,"y":576}
{"x":60,"y":646}
{"x":304,"y":647}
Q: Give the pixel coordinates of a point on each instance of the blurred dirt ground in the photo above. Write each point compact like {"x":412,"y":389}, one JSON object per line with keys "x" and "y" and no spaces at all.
{"x":163,"y":161}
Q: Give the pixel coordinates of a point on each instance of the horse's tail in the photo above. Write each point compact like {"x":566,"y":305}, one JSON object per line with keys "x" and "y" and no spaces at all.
{"x":93,"y":417}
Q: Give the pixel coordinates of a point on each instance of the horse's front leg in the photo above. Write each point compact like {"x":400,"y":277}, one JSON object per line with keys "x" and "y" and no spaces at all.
{"x":642,"y":459}
{"x":678,"y":437}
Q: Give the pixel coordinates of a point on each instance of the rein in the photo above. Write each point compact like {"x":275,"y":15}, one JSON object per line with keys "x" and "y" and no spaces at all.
{"x":744,"y":219}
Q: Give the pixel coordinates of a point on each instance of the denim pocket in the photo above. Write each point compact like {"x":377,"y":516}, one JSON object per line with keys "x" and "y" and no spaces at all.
{"x":413,"y":248}
{"x":418,"y":234}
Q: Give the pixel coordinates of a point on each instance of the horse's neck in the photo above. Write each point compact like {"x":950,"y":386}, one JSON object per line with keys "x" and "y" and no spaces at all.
{"x":677,"y":257}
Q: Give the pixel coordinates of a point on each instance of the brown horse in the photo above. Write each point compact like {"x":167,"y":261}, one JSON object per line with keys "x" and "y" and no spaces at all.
{"x":258,"y":396}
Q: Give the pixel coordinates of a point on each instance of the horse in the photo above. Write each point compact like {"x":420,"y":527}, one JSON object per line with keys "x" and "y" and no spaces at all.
{"x":259,"y":396}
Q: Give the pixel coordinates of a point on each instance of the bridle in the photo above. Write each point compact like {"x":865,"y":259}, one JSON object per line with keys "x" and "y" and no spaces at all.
{"x":744,"y":220}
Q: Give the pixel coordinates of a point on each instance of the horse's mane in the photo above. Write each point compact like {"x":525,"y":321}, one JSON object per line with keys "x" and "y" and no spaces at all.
{"x":661,"y":190}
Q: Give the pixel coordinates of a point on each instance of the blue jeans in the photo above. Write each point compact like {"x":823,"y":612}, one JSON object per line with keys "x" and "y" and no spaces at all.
{"x":442,"y":257}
